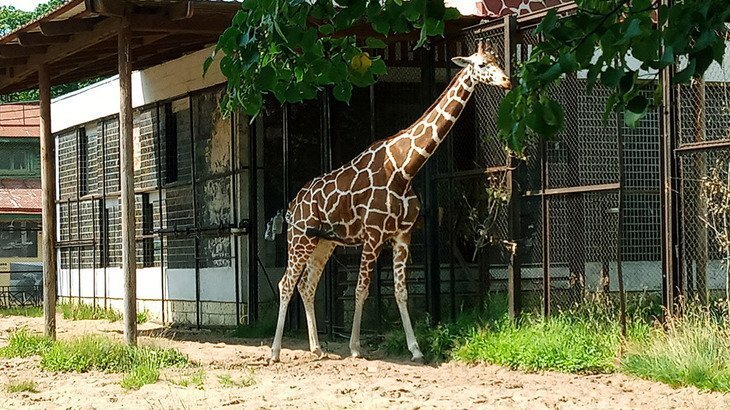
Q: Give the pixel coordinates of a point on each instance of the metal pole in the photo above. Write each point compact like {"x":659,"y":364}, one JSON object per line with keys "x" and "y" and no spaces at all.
{"x":196,"y":237}
{"x":669,"y":202}
{"x":620,"y":228}
{"x":48,"y":196}
{"x":126,"y":149}
{"x":253,"y":224}
{"x":235,"y":217}
{"x":158,"y":166}
{"x":432,"y":271}
{"x":514,"y":285}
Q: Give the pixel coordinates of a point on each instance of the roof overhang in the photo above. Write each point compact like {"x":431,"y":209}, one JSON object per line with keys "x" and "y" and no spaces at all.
{"x":78,"y":40}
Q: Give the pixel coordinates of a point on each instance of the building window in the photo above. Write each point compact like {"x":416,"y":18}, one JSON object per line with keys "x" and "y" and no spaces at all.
{"x":148,"y":224}
{"x":18,"y":239}
{"x":15,"y":161}
{"x":170,"y":144}
{"x":83,"y":149}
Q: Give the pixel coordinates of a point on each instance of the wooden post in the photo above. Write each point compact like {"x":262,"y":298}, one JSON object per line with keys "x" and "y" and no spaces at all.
{"x":48,"y":185}
{"x":126,"y":149}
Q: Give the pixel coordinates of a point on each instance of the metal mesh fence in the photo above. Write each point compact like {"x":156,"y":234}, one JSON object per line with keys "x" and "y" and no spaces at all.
{"x":704,"y":157}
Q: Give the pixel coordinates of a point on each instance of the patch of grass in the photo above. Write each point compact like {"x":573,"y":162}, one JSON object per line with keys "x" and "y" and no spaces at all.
{"x":227,"y":381}
{"x":691,"y":351}
{"x":94,"y":353}
{"x":30,"y":311}
{"x":22,"y":386}
{"x":83,"y":311}
{"x":196,"y":379}
{"x":22,"y":343}
{"x":263,"y":328}
{"x":139,"y":376}
{"x":562,"y":343}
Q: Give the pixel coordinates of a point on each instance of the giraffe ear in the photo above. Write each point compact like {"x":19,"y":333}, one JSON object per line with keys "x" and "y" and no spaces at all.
{"x":461,"y":61}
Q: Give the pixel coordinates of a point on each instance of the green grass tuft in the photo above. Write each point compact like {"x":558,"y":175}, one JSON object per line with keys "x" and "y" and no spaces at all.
{"x":83,"y":311}
{"x":691,"y":351}
{"x":196,"y":379}
{"x":139,"y":376}
{"x":94,"y":353}
{"x":22,"y":386}
{"x":225,"y":380}
{"x":30,"y":311}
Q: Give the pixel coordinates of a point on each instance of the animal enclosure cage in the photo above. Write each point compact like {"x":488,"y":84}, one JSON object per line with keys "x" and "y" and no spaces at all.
{"x":567,"y":222}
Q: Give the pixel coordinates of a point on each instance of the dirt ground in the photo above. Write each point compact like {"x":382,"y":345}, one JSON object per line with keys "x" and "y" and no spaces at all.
{"x":337,"y":381}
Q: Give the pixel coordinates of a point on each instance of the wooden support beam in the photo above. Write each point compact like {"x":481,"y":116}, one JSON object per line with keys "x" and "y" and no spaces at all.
{"x":68,"y":27}
{"x":48,"y":199}
{"x":126,"y":149}
{"x":153,"y":24}
{"x":16,"y":50}
{"x":38,"y":39}
{"x":110,"y":8}
{"x":12,"y":62}
{"x":105,"y":30}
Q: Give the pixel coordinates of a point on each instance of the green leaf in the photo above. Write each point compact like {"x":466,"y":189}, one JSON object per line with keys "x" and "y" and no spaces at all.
{"x":667,"y":56}
{"x":327,"y":29}
{"x":638,"y":104}
{"x":378,"y":67}
{"x":206,"y":64}
{"x":252,"y":104}
{"x":342,"y":92}
{"x":505,"y":117}
{"x":684,"y":75}
{"x":611,"y":76}
{"x":627,"y":82}
{"x":452,"y":13}
{"x":299,"y":74}
{"x":633,"y":30}
{"x":372,"y":42}
{"x":548,"y":22}
{"x":568,"y":63}
{"x":266,"y":80}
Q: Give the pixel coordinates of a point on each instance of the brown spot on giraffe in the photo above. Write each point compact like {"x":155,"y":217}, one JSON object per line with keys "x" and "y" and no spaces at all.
{"x":369,"y":202}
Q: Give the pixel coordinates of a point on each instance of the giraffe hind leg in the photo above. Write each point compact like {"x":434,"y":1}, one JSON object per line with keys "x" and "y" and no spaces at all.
{"x":308,"y":287}
{"x":300,"y":250}
{"x":400,"y":258}
{"x":370,"y":253}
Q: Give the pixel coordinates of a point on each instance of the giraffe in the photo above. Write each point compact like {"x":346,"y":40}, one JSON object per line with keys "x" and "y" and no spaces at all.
{"x":369,"y":202}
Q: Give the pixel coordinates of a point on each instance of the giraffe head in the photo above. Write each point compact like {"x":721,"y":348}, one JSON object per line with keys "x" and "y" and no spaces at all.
{"x":484,"y":66}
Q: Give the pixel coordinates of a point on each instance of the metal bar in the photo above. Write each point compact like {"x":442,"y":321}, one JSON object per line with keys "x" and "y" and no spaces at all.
{"x":432,"y":268}
{"x":573,"y":190}
{"x":78,"y":210}
{"x":253,"y":243}
{"x":514,"y":287}
{"x":620,"y":228}
{"x":669,"y":201}
{"x":471,"y":173}
{"x":158,"y":166}
{"x":196,"y":251}
{"x":103,"y":222}
{"x":48,"y":198}
{"x":545,"y":220}
{"x":235,"y":215}
{"x":693,"y":147}
{"x":330,"y":290}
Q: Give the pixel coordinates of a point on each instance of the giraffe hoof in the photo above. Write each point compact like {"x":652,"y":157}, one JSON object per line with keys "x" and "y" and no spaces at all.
{"x":274,"y":359}
{"x":318,"y":352}
{"x":418,"y":360}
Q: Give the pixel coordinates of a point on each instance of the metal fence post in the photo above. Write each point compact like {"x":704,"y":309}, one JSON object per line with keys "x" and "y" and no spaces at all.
{"x":669,"y":202}
{"x":514,"y":285}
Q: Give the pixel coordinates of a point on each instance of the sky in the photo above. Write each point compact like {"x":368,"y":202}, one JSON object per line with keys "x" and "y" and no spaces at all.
{"x":27,"y":5}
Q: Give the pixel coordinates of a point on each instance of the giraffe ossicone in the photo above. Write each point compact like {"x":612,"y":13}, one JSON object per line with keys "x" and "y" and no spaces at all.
{"x":369,"y":202}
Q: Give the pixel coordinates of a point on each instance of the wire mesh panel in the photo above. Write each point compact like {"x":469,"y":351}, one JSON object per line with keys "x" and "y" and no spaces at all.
{"x":704,"y":118}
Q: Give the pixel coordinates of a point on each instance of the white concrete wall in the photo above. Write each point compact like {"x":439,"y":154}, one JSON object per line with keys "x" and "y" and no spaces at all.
{"x":168,"y":80}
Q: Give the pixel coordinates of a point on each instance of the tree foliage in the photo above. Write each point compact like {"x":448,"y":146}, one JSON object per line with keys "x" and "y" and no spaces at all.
{"x":294,"y":48}
{"x":602,"y":38}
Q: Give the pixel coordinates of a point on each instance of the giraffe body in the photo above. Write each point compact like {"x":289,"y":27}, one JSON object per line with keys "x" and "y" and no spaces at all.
{"x":370,"y":202}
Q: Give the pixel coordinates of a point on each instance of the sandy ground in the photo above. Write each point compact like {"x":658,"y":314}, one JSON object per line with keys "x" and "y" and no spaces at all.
{"x":300,"y":381}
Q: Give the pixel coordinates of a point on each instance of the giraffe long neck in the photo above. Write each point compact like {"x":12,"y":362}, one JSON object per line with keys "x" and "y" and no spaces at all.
{"x":427,"y":133}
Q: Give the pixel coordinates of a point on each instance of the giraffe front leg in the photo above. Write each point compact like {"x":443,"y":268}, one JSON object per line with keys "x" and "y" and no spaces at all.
{"x":298,"y":256}
{"x":400,"y":258}
{"x":308,"y":288}
{"x":367,"y":262}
